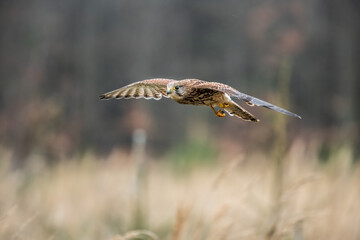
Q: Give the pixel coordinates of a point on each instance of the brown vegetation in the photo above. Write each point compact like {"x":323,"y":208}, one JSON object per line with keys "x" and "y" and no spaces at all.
{"x":91,"y":199}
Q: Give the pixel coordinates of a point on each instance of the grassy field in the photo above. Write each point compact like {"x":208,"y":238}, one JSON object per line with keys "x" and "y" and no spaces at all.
{"x":232,"y":198}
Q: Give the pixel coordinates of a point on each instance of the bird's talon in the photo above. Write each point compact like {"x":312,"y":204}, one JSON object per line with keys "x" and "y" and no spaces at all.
{"x":220,"y":114}
{"x":223,"y":105}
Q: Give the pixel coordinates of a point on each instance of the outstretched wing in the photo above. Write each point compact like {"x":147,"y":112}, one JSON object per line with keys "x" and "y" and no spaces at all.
{"x":150,"y":88}
{"x":247,"y":98}
{"x":258,"y":102}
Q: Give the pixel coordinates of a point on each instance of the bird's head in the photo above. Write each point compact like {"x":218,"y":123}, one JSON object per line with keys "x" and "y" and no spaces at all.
{"x":174,"y":90}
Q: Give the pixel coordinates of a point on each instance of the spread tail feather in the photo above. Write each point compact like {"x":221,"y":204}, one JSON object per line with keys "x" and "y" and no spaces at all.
{"x":235,"y":110}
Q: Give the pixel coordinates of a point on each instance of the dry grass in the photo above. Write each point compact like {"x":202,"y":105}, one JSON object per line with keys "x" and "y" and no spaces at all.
{"x":91,"y":199}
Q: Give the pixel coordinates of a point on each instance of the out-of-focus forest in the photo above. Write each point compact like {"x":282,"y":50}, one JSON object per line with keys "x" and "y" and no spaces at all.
{"x":75,"y":167}
{"x":56,"y":58}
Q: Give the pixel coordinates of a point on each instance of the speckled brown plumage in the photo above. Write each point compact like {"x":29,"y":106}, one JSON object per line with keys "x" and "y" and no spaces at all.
{"x":194,"y":92}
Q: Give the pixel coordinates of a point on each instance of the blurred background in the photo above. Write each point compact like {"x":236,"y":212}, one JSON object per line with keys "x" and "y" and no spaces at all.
{"x":72,"y":165}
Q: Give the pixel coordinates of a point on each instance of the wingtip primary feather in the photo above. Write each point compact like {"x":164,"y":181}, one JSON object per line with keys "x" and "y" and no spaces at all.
{"x":258,"y":102}
{"x":103,"y":96}
{"x":298,"y":116}
{"x":290,"y":113}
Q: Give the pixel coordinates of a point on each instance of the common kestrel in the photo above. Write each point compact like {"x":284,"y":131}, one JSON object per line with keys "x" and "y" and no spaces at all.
{"x":195,"y":92}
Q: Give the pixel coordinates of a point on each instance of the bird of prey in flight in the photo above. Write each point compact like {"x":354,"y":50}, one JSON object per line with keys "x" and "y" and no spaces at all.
{"x":195,"y":92}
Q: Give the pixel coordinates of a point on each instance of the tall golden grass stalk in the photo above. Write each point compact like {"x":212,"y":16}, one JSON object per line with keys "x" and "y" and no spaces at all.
{"x":279,"y":148}
{"x":182,"y":215}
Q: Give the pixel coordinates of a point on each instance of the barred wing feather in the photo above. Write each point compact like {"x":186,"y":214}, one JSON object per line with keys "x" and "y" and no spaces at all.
{"x":148,"y":89}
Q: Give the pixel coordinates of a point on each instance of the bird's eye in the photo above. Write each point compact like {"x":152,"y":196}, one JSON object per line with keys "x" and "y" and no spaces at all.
{"x":176,"y":87}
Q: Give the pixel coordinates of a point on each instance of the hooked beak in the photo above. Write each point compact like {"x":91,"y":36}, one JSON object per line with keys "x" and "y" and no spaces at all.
{"x":168,"y":91}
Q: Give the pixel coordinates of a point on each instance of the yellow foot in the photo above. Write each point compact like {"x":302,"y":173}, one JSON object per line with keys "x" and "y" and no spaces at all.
{"x":223,"y":105}
{"x":220,"y":113}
